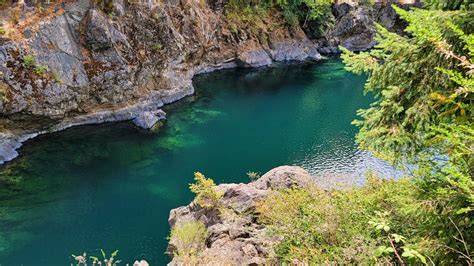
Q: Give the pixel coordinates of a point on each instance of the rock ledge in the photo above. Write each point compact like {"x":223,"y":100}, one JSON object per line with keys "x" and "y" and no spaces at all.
{"x":235,"y":235}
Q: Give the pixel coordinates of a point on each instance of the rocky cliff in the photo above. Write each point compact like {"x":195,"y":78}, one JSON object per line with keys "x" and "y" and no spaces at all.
{"x":235,"y":237}
{"x":73,"y":64}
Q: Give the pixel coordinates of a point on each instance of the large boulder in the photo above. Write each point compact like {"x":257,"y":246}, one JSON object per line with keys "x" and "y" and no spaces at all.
{"x":294,"y":51}
{"x":148,"y":119}
{"x":8,"y":147}
{"x":255,"y":58}
{"x":284,"y":177}
{"x":340,"y":10}
{"x":355,"y":30}
{"x":235,"y":236}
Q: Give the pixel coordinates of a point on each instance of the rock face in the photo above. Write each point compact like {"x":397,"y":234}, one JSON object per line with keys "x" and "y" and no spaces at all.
{"x":101,"y":67}
{"x":355,"y":30}
{"x":235,"y":236}
{"x":88,"y":67}
{"x":355,"y":25}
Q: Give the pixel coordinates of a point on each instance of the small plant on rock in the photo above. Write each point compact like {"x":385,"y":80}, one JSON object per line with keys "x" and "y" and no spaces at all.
{"x":29,"y":61}
{"x":56,"y":77}
{"x":40,"y":70}
{"x":81,"y":260}
{"x":205,"y":189}
{"x":158,"y":48}
{"x":189,"y":238}
{"x":253,"y":175}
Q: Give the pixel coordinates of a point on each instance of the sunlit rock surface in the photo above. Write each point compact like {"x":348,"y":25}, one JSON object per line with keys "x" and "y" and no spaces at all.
{"x":239,"y":239}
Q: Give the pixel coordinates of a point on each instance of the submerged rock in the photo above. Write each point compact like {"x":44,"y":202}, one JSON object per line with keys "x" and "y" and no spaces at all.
{"x":8,"y":148}
{"x":148,"y":119}
{"x":235,"y":235}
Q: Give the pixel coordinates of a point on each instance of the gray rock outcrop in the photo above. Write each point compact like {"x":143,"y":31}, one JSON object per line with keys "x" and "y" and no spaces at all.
{"x":148,"y":119}
{"x":8,"y":146}
{"x":256,"y":58}
{"x":355,"y":24}
{"x":355,"y":29}
{"x":235,"y":235}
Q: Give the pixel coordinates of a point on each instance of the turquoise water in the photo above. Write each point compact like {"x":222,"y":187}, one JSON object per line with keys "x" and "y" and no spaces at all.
{"x":112,"y":186}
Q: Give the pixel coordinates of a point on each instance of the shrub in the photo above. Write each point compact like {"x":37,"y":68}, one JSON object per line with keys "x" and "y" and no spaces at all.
{"x":244,"y":15}
{"x":450,"y":4}
{"x":2,"y":31}
{"x":319,"y":227}
{"x":314,"y":15}
{"x":205,"y":189}
{"x":253,"y":175}
{"x":423,"y":113}
{"x":189,"y":238}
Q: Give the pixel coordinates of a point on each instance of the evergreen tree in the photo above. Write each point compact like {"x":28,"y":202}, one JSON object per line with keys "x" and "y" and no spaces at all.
{"x":423,"y":113}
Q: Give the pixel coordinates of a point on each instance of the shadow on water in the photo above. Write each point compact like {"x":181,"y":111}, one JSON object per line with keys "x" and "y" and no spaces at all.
{"x":112,"y":186}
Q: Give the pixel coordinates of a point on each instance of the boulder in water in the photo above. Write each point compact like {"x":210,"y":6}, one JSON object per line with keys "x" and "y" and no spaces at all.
{"x":148,"y":119}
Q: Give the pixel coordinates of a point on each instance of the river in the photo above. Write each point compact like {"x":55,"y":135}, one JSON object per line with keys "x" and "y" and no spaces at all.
{"x":112,"y":186}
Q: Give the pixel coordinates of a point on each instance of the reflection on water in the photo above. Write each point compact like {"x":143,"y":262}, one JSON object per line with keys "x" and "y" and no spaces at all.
{"x":112,"y":186}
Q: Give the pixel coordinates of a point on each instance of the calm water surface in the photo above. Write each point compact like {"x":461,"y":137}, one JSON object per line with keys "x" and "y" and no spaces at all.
{"x":112,"y":186}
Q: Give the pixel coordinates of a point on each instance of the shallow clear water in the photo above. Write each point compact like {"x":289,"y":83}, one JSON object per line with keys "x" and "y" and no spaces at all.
{"x":112,"y":186}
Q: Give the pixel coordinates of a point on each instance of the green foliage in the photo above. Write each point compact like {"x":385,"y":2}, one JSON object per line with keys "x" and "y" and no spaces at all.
{"x":253,"y":175}
{"x":40,"y":70}
{"x":243,"y":15}
{"x":29,"y":61}
{"x":394,"y":244}
{"x":450,"y":4}
{"x":2,"y":30}
{"x":423,"y":114}
{"x":158,"y":48}
{"x":189,"y":238}
{"x":353,"y":226}
{"x":205,"y":189}
{"x":81,"y":260}
{"x":56,"y":77}
{"x":314,"y":15}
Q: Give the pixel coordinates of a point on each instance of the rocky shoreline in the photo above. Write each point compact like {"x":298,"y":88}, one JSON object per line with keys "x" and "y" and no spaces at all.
{"x":10,"y":143}
{"x":79,"y":66}
{"x":235,"y":236}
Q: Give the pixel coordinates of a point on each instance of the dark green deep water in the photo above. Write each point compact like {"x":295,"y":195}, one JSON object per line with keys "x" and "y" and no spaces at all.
{"x":112,"y":186}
